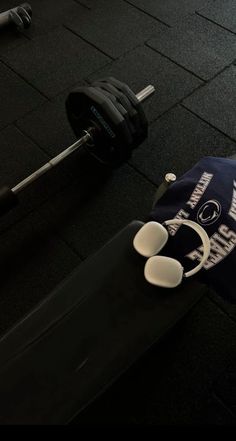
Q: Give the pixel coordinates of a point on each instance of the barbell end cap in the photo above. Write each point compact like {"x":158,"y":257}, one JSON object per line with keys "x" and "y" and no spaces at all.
{"x":145,"y":93}
{"x":8,"y":200}
{"x":170,"y":178}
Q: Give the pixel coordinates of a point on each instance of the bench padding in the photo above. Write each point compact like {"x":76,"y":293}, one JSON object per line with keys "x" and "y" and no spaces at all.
{"x":89,"y":331}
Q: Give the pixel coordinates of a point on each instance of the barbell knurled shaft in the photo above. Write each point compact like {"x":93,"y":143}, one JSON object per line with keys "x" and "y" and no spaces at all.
{"x":51,"y":164}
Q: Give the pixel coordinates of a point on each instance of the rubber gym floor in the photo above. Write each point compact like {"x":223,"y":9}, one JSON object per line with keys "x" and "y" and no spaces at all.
{"x":187,"y":50}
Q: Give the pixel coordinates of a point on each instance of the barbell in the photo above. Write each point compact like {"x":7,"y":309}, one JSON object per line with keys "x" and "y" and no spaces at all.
{"x":108,"y":120}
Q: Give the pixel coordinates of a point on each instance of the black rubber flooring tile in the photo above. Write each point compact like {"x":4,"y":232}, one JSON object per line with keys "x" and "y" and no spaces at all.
{"x":10,"y":39}
{"x":216,"y":102}
{"x":55,"y":61}
{"x":114,"y":30}
{"x":176,"y":142}
{"x":19,"y":157}
{"x":87,"y":3}
{"x":17,"y":97}
{"x":8,"y":4}
{"x":97,"y":206}
{"x":52,"y":10}
{"x":221,"y":12}
{"x":48,"y":126}
{"x":198,"y":45}
{"x":39,"y":26}
{"x":48,"y":14}
{"x":169,"y":11}
{"x":33,"y":262}
{"x":144,"y":66}
{"x":173,"y":382}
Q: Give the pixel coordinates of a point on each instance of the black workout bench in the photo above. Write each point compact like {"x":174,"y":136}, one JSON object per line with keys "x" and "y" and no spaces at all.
{"x":91,"y":329}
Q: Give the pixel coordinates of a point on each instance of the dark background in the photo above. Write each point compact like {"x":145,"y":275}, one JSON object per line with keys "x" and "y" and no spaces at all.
{"x":187,"y":50}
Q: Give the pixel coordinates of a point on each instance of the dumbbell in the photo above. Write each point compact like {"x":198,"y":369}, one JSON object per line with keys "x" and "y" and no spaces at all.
{"x":109,"y":121}
{"x":20,"y":16}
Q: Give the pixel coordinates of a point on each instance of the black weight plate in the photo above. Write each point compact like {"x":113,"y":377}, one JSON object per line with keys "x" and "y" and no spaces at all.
{"x":133,"y":99}
{"x":142,"y":121}
{"x":133,"y":113}
{"x":88,"y":107}
{"x":111,"y":105}
{"x":120,"y":108}
{"x":124,"y":101}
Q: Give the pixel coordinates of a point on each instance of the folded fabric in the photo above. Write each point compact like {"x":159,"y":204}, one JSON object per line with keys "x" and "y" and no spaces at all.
{"x":205,"y":194}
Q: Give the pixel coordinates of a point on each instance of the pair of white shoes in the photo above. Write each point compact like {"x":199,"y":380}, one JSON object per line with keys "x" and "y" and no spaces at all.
{"x":160,"y":270}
